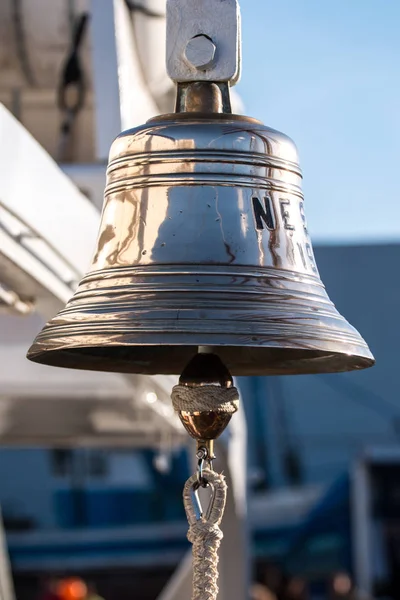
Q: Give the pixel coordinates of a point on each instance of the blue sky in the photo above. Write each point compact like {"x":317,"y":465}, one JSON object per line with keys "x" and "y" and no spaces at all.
{"x":327,"y":73}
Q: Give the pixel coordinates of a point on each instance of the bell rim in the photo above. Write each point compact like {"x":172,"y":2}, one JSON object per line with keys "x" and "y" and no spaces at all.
{"x":303,"y":361}
{"x":259,"y":310}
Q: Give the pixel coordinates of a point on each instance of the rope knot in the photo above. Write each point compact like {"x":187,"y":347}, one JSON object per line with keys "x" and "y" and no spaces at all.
{"x":205,"y":398}
{"x":204,"y":532}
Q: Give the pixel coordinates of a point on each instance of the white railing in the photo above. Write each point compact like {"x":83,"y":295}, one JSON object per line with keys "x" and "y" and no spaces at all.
{"x":48,"y":227}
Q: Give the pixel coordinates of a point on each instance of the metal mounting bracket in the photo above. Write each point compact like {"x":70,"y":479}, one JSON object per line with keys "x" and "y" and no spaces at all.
{"x":203,"y":40}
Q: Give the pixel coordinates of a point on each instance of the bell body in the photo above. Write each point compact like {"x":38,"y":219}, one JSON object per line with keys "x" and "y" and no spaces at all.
{"x":203,"y":242}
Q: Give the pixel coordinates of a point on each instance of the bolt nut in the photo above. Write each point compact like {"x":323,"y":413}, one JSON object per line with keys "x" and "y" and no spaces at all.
{"x":200,"y":52}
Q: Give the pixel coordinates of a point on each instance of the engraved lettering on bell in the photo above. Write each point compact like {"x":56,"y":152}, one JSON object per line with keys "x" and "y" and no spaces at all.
{"x":310,"y":255}
{"x":284,"y":203}
{"x":263,"y":213}
{"x":303,"y":218}
{"x":203,"y":242}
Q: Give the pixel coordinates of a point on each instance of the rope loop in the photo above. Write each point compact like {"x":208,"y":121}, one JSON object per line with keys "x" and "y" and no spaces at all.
{"x":213,"y":515}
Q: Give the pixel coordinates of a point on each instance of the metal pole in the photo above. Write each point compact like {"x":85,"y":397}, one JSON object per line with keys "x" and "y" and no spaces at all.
{"x":6,"y":583}
{"x":122,"y":99}
{"x":361,"y":529}
{"x":235,"y":547}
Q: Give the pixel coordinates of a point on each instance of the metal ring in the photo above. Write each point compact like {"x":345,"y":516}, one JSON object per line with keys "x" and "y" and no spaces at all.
{"x":202,"y":481}
{"x":203,"y":457}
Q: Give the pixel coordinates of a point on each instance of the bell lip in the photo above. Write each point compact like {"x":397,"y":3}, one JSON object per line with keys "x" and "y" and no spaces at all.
{"x":313,"y":361}
{"x":200,"y":116}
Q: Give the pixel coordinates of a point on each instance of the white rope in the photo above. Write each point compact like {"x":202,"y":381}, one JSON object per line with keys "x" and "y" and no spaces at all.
{"x":205,"y":398}
{"x":205,"y":534}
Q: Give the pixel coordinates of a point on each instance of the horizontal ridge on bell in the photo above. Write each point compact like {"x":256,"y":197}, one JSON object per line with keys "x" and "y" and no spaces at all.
{"x":203,"y":242}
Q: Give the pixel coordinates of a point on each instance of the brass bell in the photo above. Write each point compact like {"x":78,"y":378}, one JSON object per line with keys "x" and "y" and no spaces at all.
{"x":203,"y":242}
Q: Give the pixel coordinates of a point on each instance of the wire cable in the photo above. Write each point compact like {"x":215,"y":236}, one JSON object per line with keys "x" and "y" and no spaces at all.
{"x":72,"y":88}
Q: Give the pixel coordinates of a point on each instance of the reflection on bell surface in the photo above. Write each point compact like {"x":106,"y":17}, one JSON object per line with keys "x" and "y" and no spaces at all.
{"x":203,"y":242}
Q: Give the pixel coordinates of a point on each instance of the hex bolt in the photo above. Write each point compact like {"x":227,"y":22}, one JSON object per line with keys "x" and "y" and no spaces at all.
{"x":200,"y":52}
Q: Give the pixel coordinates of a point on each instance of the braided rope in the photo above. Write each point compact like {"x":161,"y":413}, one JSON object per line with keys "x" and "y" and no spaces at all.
{"x":205,"y":398}
{"x":204,"y":532}
{"x":205,"y":535}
